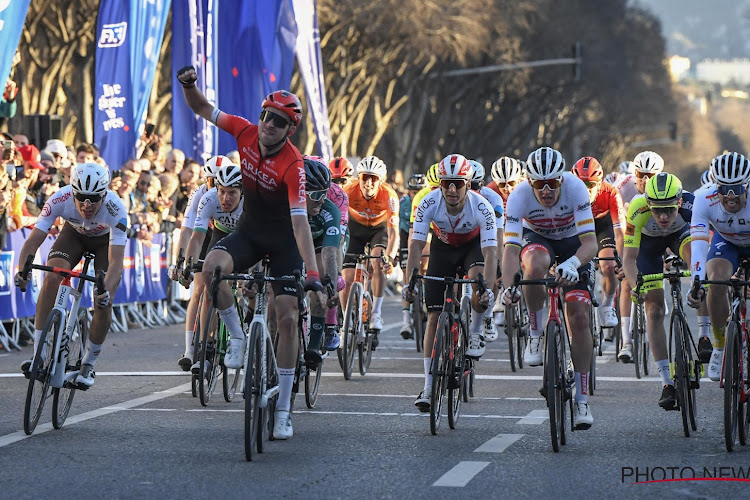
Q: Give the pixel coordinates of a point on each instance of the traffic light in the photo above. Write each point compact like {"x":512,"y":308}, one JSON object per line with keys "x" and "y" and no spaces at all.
{"x":576,"y":50}
{"x":673,"y":131}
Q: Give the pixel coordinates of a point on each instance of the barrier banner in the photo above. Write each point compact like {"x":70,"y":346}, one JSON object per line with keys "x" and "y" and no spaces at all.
{"x":12,"y":19}
{"x":144,"y":276}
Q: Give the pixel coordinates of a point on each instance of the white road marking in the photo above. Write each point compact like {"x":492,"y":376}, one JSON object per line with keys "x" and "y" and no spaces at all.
{"x":499,"y":443}
{"x":127,"y":405}
{"x":460,"y":475}
{"x":535,"y":417}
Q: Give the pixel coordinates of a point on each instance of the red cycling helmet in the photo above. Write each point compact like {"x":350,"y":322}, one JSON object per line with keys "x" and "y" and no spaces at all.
{"x":287,"y":103}
{"x":340,"y":167}
{"x":588,"y":169}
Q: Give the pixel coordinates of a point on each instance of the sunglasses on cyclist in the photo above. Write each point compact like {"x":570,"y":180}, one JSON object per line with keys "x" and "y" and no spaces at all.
{"x":317,"y":195}
{"x":733,"y":189}
{"x":278,"y":120}
{"x":550,"y":184}
{"x":644,"y":175}
{"x":369,"y":177}
{"x":658,"y":211}
{"x":591,"y":184}
{"x":509,"y":184}
{"x":456,"y":183}
{"x":91,"y":198}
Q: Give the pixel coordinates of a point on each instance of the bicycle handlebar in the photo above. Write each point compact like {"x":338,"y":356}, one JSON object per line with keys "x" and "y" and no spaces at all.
{"x":97,"y":280}
{"x":616,"y":258}
{"x":364,"y":256}
{"x":480,"y":281}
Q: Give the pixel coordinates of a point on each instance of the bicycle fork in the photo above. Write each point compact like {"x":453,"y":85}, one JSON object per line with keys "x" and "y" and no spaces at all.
{"x":62,"y":342}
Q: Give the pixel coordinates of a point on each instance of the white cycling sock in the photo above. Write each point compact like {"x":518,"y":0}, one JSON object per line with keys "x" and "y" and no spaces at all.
{"x":609,"y":300}
{"x":92,"y":353}
{"x":37,"y":336}
{"x":232,"y":320}
{"x":536,"y":323}
{"x":662,"y":367}
{"x":582,"y":387}
{"x":406,"y":316}
{"x":376,"y":303}
{"x":189,"y":343}
{"x":476,"y":321}
{"x":488,"y":312}
{"x":427,"y":375}
{"x":627,"y":335}
{"x":286,"y":380}
{"x":704,"y":326}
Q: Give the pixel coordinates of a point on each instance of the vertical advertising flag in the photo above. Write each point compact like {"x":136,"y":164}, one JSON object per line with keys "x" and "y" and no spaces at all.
{"x":310,"y":63}
{"x":255,"y":56}
{"x":12,"y":18}
{"x":129,"y":36}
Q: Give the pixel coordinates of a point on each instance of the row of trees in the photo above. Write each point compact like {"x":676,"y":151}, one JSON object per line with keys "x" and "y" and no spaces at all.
{"x":384,"y":66}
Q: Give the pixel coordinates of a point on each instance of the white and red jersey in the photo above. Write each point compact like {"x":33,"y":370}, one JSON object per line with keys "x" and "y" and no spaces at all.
{"x":111,"y":218}
{"x":191,"y":212}
{"x":496,"y":201}
{"x":210,"y":209}
{"x":626,"y":186}
{"x":476,"y":220}
{"x":570,"y":216}
{"x":708,"y":211}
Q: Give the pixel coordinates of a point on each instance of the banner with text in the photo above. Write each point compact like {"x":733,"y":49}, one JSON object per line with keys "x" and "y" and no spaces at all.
{"x":12,"y":18}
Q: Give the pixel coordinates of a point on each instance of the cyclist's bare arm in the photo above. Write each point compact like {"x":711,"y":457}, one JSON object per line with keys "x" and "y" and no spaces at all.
{"x":185,"y":235}
{"x":31,"y":245}
{"x":630,"y":254}
{"x":194,"y":245}
{"x":511,"y":262}
{"x":393,"y":242}
{"x":588,"y":249}
{"x":490,"y":264}
{"x":329,"y":256}
{"x":197,"y":101}
{"x":415,"y":256}
{"x":303,"y":237}
{"x":619,"y":240}
{"x":114,"y":270}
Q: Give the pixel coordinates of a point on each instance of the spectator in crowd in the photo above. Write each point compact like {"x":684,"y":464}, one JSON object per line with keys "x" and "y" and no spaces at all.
{"x":6,"y":194}
{"x":85,"y":153}
{"x":20,"y":140}
{"x":234,"y":155}
{"x":132,"y":166}
{"x":31,"y":169}
{"x":123,"y":184}
{"x":174,"y":161}
{"x":8,"y":104}
{"x":57,"y":149}
{"x":188,"y":183}
{"x":140,"y":202}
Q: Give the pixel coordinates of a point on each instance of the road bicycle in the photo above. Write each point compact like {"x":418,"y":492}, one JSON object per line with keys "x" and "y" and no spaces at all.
{"x":684,"y":368}
{"x":595,"y":324}
{"x":735,"y":370}
{"x":356,"y":331}
{"x":517,"y":331}
{"x":448,"y":359}
{"x":419,"y":317}
{"x":57,"y":360}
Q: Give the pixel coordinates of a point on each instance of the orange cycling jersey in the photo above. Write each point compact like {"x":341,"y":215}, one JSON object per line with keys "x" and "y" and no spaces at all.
{"x":608,"y":201}
{"x":381,"y":208}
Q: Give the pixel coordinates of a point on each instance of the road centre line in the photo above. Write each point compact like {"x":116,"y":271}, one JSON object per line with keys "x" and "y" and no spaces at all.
{"x":499,"y":443}
{"x":126,"y":405}
{"x":535,"y":417}
{"x":460,"y":475}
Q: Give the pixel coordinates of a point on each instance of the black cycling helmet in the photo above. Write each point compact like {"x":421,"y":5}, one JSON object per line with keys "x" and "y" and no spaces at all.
{"x":416,"y":182}
{"x":318,"y":175}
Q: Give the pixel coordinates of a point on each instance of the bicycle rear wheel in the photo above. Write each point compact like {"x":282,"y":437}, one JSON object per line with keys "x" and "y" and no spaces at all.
{"x":253,"y":388}
{"x":638,"y":333}
{"x":456,"y":364}
{"x":312,"y":384}
{"x":231,"y":378}
{"x":268,"y":414}
{"x":550,"y":383}
{"x":692,"y":374}
{"x":681,"y":379}
{"x":522,"y":335}
{"x":438,"y":370}
{"x":41,"y":371}
{"x":595,"y":334}
{"x":62,"y":398}
{"x":419,"y":318}
{"x":352,"y":323}
{"x":511,"y":326}
{"x":207,"y":378}
{"x":365,"y":348}
{"x":732,"y":384}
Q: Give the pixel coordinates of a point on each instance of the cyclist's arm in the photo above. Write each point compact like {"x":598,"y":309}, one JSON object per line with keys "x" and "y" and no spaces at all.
{"x":194,"y":245}
{"x":415,"y":256}
{"x":198,"y":103}
{"x":114,"y":270}
{"x":699,"y":236}
{"x":392,"y":227}
{"x":31,"y":245}
{"x":638,"y":215}
{"x":619,"y":240}
{"x":303,"y":237}
{"x":329,"y":256}
{"x":490,"y":265}
{"x":588,"y":248}
{"x":511,"y":262}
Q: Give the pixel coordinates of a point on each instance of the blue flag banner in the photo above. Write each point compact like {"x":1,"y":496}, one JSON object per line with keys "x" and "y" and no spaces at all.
{"x":129,"y":35}
{"x":310,"y":63}
{"x":255,"y":56}
{"x":194,"y":30}
{"x":12,"y":18}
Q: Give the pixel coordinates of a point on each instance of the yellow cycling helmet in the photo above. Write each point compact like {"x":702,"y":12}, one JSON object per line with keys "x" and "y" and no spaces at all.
{"x":663,"y":190}
{"x":432,"y":178}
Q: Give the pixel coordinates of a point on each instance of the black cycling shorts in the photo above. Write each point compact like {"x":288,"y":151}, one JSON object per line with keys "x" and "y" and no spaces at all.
{"x":376,"y":236}
{"x":70,"y":245}
{"x":605,"y":233}
{"x":207,"y":243}
{"x":447,"y":260}
{"x":560,"y":251}
{"x":247,"y":246}
{"x":403,"y":251}
{"x":651,"y":252}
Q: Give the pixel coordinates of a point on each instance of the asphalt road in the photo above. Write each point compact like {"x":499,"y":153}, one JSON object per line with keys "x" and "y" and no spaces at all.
{"x":139,"y":433}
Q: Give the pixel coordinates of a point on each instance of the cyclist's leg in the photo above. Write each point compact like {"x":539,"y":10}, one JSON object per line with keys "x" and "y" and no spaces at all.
{"x":536,"y":258}
{"x":329,"y":264}
{"x":403,"y":252}
{"x":474,"y":261}
{"x":192,"y":307}
{"x":358,"y":237}
{"x":317,"y":313}
{"x":378,"y":244}
{"x":606,"y":238}
{"x":577,"y":304}
{"x":721,"y":262}
{"x":704,"y":324}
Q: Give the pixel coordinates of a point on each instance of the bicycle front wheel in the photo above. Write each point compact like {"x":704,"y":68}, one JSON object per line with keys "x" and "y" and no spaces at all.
{"x":554,"y":384}
{"x":438,"y":370}
{"x":231,"y":378}
{"x":511,"y":326}
{"x":352,"y":322}
{"x":365,"y":348}
{"x":312,"y":384}
{"x":681,"y":378}
{"x":253,"y":391}
{"x":732,"y":384}
{"x":209,"y":365}
{"x":41,"y":371}
{"x":62,"y":398}
{"x":638,"y":334}
{"x":419,"y":318}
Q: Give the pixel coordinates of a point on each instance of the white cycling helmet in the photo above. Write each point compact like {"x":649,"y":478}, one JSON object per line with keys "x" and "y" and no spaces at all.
{"x":626,"y":167}
{"x":229,"y":175}
{"x":648,"y":162}
{"x":89,"y":178}
{"x":706,"y":178}
{"x":455,"y":167}
{"x":730,"y":168}
{"x":213,"y":165}
{"x":372,"y":165}
{"x":545,"y":163}
{"x":506,"y":169}
{"x":612,"y":178}
{"x":477,"y":172}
